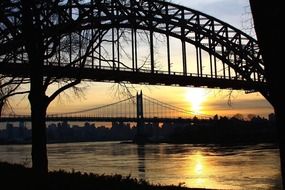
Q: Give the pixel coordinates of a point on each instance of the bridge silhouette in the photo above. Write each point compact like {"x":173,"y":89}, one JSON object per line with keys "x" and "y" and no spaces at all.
{"x":107,"y":41}
{"x":119,"y":41}
{"x":139,"y":108}
{"x":133,"y":41}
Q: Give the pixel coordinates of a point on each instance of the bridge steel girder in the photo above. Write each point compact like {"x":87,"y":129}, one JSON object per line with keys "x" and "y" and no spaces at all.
{"x":221,"y":40}
{"x":141,"y":77}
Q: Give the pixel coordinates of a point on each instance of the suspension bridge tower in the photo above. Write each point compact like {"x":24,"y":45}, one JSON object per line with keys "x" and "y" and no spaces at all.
{"x":140,"y":137}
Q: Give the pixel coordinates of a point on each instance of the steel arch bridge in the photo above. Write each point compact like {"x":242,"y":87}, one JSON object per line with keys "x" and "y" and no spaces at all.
{"x":118,"y":40}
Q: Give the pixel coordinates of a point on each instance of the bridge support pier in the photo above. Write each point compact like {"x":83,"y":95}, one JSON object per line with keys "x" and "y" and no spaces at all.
{"x":270,"y":37}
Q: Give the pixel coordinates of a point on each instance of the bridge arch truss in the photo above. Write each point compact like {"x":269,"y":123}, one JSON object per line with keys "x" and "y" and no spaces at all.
{"x":116,"y":40}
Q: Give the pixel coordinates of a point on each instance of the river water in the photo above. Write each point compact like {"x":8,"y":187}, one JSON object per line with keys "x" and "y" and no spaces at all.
{"x":211,"y":166}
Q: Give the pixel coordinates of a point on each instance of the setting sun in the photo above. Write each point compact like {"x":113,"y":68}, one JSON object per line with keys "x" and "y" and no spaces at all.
{"x":196,"y":97}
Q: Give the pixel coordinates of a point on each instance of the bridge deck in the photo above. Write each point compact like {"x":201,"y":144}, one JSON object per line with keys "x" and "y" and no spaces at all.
{"x":108,"y":74}
{"x":94,"y":119}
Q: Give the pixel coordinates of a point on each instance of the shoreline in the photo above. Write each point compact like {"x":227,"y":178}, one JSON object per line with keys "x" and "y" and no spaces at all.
{"x":75,"y":180}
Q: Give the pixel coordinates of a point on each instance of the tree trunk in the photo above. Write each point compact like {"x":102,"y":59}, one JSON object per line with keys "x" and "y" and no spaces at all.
{"x":267,"y":18}
{"x":38,"y":100}
{"x":38,"y":113}
{"x":280,"y":122}
{"x":1,"y":107}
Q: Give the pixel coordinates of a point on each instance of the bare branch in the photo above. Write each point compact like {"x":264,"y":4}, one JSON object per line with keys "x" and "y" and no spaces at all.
{"x":60,"y":90}
{"x":230,"y":96}
{"x":123,"y":90}
{"x":10,"y":86}
{"x":5,"y":97}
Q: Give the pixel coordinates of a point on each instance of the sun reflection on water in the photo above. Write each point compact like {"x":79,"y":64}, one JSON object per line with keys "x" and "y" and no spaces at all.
{"x":198,"y":170}
{"x":198,"y":164}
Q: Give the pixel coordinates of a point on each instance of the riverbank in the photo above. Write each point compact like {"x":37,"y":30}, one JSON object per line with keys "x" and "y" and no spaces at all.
{"x":16,"y":176}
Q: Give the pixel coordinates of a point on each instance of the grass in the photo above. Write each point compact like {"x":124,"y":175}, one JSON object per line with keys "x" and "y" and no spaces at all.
{"x":16,"y":176}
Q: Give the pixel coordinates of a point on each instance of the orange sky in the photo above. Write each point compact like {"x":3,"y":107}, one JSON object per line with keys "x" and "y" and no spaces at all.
{"x":199,"y":100}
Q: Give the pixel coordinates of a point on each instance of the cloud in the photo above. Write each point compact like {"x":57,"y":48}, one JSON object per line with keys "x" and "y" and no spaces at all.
{"x":254,"y":106}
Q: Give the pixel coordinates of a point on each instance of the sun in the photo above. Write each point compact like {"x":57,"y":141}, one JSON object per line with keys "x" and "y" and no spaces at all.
{"x":196,"y":97}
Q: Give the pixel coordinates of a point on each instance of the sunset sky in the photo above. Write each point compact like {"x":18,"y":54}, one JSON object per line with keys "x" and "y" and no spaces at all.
{"x":200,"y":100}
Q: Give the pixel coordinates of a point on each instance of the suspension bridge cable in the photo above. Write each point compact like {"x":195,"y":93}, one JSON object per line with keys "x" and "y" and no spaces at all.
{"x":94,"y":108}
{"x":175,"y":108}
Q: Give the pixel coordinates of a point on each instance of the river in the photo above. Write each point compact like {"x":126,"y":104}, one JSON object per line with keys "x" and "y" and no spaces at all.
{"x":205,"y":166}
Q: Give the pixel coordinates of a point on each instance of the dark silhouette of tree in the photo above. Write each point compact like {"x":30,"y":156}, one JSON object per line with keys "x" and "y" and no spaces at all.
{"x":270,"y":38}
{"x":43,"y":33}
{"x":238,"y":116}
{"x":75,"y":47}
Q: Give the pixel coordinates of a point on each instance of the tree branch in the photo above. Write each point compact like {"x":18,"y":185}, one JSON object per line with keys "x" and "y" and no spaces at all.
{"x":60,"y":90}
{"x":2,"y":98}
{"x":2,"y":85}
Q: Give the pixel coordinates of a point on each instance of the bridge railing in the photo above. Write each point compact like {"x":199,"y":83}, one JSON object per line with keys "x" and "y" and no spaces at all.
{"x":156,"y":71}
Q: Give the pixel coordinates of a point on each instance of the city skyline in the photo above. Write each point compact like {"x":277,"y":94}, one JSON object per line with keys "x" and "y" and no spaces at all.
{"x":216,"y":129}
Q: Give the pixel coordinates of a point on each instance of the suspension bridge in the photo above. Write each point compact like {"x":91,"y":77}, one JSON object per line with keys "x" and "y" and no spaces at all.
{"x":139,"y":108}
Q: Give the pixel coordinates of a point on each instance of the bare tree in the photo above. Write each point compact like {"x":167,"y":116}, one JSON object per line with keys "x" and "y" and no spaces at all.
{"x":50,"y":33}
{"x":39,"y":52}
{"x":269,"y":41}
{"x":32,"y":32}
{"x":10,"y":86}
